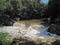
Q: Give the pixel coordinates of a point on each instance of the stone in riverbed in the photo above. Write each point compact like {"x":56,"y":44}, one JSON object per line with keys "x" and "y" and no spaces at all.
{"x":57,"y":42}
{"x":55,"y":29}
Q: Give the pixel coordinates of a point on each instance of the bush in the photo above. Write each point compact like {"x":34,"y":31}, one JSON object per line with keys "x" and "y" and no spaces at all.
{"x":4,"y":40}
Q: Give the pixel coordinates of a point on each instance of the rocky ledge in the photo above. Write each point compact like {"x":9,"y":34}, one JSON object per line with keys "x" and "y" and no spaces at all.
{"x":55,"y":29}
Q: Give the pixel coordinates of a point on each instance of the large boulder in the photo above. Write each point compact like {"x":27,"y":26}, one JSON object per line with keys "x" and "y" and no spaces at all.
{"x":55,"y":29}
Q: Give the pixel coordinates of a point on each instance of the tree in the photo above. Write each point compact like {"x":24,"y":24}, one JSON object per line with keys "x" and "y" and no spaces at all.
{"x":22,"y":9}
{"x":32,"y":9}
{"x":54,"y":9}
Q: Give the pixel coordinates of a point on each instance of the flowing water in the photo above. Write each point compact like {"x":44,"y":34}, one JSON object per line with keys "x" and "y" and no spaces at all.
{"x":32,"y":30}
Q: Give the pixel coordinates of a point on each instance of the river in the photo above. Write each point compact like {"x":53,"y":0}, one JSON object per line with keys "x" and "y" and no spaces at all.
{"x":32,"y":31}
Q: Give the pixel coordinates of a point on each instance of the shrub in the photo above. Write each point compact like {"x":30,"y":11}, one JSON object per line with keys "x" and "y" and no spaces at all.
{"x":4,"y":39}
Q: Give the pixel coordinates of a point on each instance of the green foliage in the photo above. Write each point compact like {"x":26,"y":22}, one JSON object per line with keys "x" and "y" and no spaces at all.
{"x":38,"y":40}
{"x":4,"y":40}
{"x":22,"y":9}
{"x":4,"y":3}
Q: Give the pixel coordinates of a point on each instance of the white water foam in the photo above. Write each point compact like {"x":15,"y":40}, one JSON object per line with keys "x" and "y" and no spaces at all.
{"x":31,"y":31}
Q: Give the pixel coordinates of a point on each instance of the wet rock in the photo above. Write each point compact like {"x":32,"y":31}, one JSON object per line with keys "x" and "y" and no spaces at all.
{"x":57,"y":42}
{"x":44,"y":44}
{"x":7,"y":21}
{"x":55,"y":29}
{"x":22,"y":41}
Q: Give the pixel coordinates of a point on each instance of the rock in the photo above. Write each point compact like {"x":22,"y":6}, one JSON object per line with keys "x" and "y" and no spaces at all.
{"x":7,"y":21}
{"x":57,"y":42}
{"x":22,"y":41}
{"x":55,"y":29}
